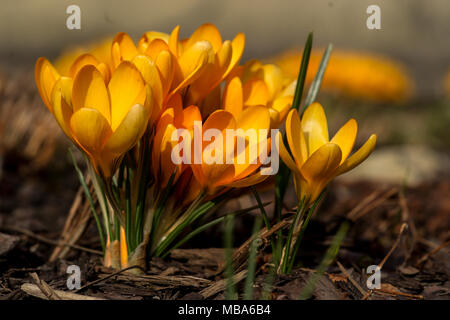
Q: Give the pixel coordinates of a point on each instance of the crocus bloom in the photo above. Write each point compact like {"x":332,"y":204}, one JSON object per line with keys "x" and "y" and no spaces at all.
{"x":104,"y":121}
{"x":316,"y":159}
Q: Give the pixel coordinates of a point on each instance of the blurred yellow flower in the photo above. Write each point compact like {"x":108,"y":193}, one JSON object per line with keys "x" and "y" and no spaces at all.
{"x":316,"y":159}
{"x":354,"y":74}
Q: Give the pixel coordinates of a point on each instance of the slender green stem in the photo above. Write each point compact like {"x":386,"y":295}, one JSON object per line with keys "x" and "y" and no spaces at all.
{"x":90,"y":200}
{"x":329,"y":257}
{"x":128,"y":213}
{"x":230,"y":292}
{"x":287,"y":246}
{"x":249,"y":281}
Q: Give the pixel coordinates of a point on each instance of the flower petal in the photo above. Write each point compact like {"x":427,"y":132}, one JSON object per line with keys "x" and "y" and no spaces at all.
{"x":45,"y":76}
{"x":173,"y":41}
{"x":237,"y":46}
{"x":295,"y":137}
{"x":126,"y":88}
{"x":89,"y":91}
{"x":208,"y":32}
{"x":61,"y":109}
{"x":233,"y":97}
{"x":345,"y":138}
{"x":315,"y":128}
{"x":129,"y":131}
{"x":285,"y":156}
{"x":123,"y":48}
{"x":90,"y":129}
{"x":359,"y":156}
{"x":249,"y":181}
{"x":322,"y":164}
{"x":255,"y":93}
{"x":80,"y":62}
{"x":166,"y":69}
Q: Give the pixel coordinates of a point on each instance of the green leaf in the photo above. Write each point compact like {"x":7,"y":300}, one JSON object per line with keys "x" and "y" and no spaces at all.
{"x":90,"y":200}
{"x":315,"y":85}
{"x":302,"y":73}
{"x":329,"y":257}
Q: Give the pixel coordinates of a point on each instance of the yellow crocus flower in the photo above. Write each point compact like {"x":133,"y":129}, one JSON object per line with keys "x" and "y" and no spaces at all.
{"x":211,"y":176}
{"x":105,"y":121}
{"x":316,"y":159}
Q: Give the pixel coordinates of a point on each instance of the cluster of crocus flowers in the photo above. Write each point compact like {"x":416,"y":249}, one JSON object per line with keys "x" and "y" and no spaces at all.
{"x":357,"y":75}
{"x":122,"y":104}
{"x":316,"y":159}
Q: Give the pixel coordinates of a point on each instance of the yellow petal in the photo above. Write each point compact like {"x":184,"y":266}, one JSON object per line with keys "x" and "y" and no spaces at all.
{"x":45,"y":76}
{"x":295,"y":137}
{"x":150,"y":73}
{"x":273,"y":79}
{"x":80,"y":62}
{"x":129,"y":131}
{"x":192,"y":63}
{"x":249,"y":181}
{"x":359,"y":156}
{"x":155,"y":47}
{"x":345,"y":138}
{"x":315,"y":128}
{"x":126,"y":89}
{"x":255,"y":93}
{"x":90,"y":129}
{"x":233,"y":97}
{"x":166,"y":69}
{"x":123,"y":48}
{"x":237,"y":45}
{"x":254,"y":117}
{"x":187,"y":117}
{"x":61,"y":109}
{"x":285,"y":156}
{"x":207,"y":32}
{"x":173,"y":41}
{"x":282,"y":105}
{"x":89,"y":91}
{"x":165,"y":148}
{"x":322,"y":164}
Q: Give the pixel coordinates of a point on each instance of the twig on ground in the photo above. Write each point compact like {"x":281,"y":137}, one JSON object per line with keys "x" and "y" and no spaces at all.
{"x":49,"y":293}
{"x":372,"y":201}
{"x":349,"y":277}
{"x":35,"y":291}
{"x":426,"y":256}
{"x":109,"y":276}
{"x":43,"y":239}
{"x":221,"y":285}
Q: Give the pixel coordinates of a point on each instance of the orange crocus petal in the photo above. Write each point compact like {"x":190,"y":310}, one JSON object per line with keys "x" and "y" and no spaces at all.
{"x":255,"y":93}
{"x":61,"y":109}
{"x":80,"y":62}
{"x":359,"y":156}
{"x":155,"y":47}
{"x":129,"y":131}
{"x":249,"y":181}
{"x":123,"y":248}
{"x":322,"y":164}
{"x":126,"y":89}
{"x":233,"y":97}
{"x":45,"y":76}
{"x":237,"y":46}
{"x":173,"y":41}
{"x":187,"y":118}
{"x":151,"y":76}
{"x":285,"y":156}
{"x":123,"y":48}
{"x":192,"y":63}
{"x":208,"y":32}
{"x":273,"y":78}
{"x":89,"y":91}
{"x":296,"y":138}
{"x":254,"y":117}
{"x":90,"y":129}
{"x":315,"y":128}
{"x":166,"y":164}
{"x":345,"y":138}
{"x":166,"y":69}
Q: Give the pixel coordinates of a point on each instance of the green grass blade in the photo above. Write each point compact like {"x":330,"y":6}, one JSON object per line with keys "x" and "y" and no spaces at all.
{"x":329,"y":257}
{"x":315,"y":85}
{"x":90,"y":200}
{"x":302,"y":73}
{"x":208,"y":225}
{"x":230,"y":290}
{"x":249,"y":281}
